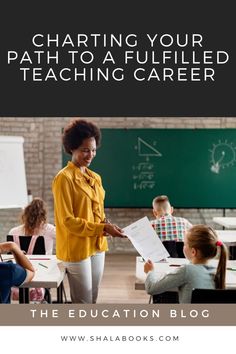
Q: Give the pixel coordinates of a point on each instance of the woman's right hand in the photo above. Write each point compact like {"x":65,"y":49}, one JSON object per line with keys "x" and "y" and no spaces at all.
{"x":113,"y":230}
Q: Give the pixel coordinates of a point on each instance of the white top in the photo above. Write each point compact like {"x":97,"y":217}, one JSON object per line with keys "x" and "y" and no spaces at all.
{"x":48,"y":231}
{"x":13,"y":186}
{"x":228,"y":222}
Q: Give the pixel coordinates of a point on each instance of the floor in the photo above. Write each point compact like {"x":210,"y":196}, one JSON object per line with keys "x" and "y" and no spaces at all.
{"x":117,"y":285}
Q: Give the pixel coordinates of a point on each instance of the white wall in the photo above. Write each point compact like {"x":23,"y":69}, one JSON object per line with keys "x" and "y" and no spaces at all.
{"x":13,"y":188}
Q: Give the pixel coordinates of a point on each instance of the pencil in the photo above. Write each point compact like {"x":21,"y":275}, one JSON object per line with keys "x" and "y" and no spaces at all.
{"x":39,"y":259}
{"x":233,"y":269}
{"x":43,"y":265}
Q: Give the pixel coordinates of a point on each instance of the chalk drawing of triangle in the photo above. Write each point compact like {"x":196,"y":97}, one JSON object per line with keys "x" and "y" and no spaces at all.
{"x":144,"y":149}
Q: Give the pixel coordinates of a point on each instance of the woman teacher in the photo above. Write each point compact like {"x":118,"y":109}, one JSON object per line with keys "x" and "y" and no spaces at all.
{"x":81,"y":226}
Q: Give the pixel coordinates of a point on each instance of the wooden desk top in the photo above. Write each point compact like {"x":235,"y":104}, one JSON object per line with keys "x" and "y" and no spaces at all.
{"x":227,"y":236}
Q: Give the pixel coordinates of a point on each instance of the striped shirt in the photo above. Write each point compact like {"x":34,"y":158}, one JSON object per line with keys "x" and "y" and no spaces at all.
{"x":171,"y":228}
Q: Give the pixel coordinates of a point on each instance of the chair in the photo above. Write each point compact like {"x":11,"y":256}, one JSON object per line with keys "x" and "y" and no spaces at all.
{"x":232,"y":252}
{"x":39,"y":248}
{"x":174,"y":248}
{"x":168,"y":297}
{"x":213,"y":296}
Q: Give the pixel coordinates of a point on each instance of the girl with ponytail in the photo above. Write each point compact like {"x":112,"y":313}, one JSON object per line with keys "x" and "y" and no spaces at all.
{"x":200,"y":245}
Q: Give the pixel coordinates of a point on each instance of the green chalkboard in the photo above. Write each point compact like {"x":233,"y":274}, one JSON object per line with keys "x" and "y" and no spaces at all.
{"x":196,"y":168}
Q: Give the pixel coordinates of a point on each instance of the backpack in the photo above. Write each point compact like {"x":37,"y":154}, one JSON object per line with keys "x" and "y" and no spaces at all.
{"x":35,"y":294}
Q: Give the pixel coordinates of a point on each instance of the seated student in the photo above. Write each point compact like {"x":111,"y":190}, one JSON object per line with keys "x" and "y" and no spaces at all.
{"x":167,"y":226}
{"x":200,"y":244}
{"x":34,"y":222}
{"x":13,"y":274}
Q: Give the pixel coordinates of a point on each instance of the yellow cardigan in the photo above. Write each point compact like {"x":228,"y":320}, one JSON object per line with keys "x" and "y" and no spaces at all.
{"x":79,"y":211}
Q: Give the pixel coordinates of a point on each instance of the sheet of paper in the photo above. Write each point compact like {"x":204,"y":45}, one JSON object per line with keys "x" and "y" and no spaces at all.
{"x":145,"y":240}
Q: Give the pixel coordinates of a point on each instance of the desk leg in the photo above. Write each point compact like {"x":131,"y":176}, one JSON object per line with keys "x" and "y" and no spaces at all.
{"x":23,"y":295}
{"x":60,"y":293}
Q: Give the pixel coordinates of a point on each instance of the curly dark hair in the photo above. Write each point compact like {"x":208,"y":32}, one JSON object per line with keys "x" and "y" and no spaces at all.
{"x":34,"y":216}
{"x":76,"y":131}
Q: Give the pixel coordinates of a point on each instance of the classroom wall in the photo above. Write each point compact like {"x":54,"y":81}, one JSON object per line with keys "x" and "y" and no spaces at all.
{"x":42,"y":149}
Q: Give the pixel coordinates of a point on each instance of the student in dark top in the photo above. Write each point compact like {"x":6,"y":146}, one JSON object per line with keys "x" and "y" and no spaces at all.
{"x":13,"y":274}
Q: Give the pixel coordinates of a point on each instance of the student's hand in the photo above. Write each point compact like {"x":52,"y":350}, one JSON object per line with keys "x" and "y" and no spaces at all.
{"x":113,"y":230}
{"x":6,"y":247}
{"x":10,"y":246}
{"x":148,"y":266}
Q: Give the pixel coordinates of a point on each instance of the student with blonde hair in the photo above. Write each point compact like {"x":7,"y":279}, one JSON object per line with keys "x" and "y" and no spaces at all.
{"x":200,"y":245}
{"x":169,"y":227}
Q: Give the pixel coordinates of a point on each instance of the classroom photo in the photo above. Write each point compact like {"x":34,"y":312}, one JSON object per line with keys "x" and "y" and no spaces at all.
{"x":117,"y":210}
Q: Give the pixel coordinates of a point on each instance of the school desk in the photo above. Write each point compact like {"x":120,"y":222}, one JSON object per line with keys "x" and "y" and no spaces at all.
{"x":227,"y":236}
{"x":227,"y":222}
{"x":170,"y":264}
{"x":49,"y":273}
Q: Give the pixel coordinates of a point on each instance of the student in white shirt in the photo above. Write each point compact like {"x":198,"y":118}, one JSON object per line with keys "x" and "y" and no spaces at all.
{"x":34,"y":222}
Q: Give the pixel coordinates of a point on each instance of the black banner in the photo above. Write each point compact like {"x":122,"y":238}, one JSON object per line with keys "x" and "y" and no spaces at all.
{"x":119,"y":58}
